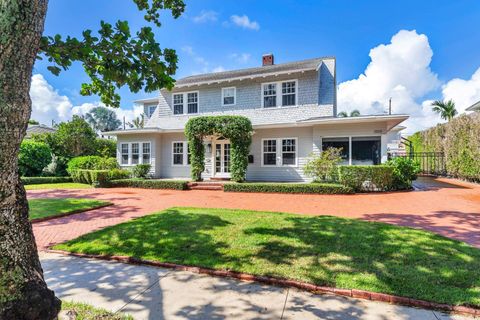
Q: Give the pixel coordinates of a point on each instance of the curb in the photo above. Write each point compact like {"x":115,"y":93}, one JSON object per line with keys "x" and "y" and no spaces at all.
{"x":353,"y":293}
{"x":66,"y":214}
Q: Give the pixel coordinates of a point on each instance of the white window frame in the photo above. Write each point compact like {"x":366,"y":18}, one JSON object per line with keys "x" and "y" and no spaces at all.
{"x":279,"y":94}
{"x":173,"y":104}
{"x":184,"y":154}
{"x":149,"y":153}
{"x":140,"y":153}
{"x":122,"y":154}
{"x":234,"y":96}
{"x":149,"y":107}
{"x":263,"y":153}
{"x":185,"y":102}
{"x":279,"y":153}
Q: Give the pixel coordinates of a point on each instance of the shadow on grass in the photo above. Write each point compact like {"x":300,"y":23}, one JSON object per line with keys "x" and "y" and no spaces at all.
{"x":324,"y":250}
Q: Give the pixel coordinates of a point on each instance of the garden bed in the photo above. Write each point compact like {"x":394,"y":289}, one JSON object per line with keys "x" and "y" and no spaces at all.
{"x":311,"y":188}
{"x":324,"y":251}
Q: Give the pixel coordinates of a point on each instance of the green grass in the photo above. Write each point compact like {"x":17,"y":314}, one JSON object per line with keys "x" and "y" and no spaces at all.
{"x":324,"y":250}
{"x":67,"y":185}
{"x":41,"y":208}
{"x":87,"y":312}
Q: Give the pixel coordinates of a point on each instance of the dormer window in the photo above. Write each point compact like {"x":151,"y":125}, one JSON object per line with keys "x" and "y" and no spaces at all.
{"x":185,"y":102}
{"x":151,"y":110}
{"x":228,"y":96}
{"x":279,"y":94}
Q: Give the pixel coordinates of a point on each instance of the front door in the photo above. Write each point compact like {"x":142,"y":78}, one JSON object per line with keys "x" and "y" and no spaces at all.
{"x":222,"y":159}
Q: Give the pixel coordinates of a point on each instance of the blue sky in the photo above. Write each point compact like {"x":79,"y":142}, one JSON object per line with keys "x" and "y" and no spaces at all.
{"x":224,"y":35}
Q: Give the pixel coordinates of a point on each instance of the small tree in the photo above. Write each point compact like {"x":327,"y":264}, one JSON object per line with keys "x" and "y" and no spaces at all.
{"x":323,"y":166}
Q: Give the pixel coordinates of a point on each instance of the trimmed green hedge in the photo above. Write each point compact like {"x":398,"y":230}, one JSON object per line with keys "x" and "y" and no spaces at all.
{"x":43,"y":180}
{"x":99,"y":178}
{"x":318,"y":188}
{"x":149,"y":184}
{"x":367,"y":178}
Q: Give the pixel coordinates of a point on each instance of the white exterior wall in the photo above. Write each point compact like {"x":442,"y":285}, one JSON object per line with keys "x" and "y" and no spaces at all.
{"x":155,"y":141}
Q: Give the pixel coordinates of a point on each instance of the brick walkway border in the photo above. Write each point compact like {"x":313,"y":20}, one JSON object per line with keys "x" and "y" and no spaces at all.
{"x":353,"y":293}
{"x":70,"y":213}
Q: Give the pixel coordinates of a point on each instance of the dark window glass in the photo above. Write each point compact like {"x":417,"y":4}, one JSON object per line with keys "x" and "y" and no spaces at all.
{"x":192,"y":102}
{"x":289,"y":148}
{"x":341,"y":143}
{"x":288,"y":93}
{"x":365,"y":150}
{"x":270,"y":152}
{"x":178,"y":104}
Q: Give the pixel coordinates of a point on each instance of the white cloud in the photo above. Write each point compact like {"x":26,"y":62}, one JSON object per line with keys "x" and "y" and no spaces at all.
{"x":400,"y":70}
{"x":463,"y":92}
{"x":241,"y":57}
{"x":244,"y":22}
{"x":203,"y":65}
{"x":48,"y":104}
{"x":206,"y":16}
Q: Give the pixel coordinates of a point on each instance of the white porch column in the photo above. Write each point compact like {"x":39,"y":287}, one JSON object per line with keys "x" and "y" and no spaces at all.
{"x":349,"y":150}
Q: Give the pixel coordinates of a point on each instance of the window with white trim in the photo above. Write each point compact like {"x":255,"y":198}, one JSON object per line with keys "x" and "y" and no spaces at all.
{"x":188,"y":152}
{"x":229,"y":96}
{"x":146,"y":152}
{"x":192,"y":102}
{"x":270,"y":152}
{"x":124,"y":153}
{"x":288,"y":93}
{"x":135,"y":153}
{"x":178,"y":103}
{"x":177,"y":153}
{"x":269,"y":95}
{"x":151,"y":110}
{"x":289,"y":152}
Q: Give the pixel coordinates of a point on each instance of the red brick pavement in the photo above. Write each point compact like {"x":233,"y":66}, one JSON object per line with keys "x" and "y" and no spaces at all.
{"x":448,"y":207}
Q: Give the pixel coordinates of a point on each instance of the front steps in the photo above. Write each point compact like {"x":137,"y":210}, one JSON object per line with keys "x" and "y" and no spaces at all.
{"x":206,"y":185}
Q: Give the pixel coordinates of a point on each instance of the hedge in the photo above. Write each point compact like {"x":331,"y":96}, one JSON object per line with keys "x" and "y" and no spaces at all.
{"x":99,"y":178}
{"x":318,"y":188}
{"x":33,"y":156}
{"x":43,"y":180}
{"x":367,"y":178}
{"x":149,"y":184}
{"x":459,"y":140}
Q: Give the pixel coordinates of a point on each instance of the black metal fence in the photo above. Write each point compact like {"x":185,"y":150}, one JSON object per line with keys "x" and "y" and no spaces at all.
{"x":430,"y":162}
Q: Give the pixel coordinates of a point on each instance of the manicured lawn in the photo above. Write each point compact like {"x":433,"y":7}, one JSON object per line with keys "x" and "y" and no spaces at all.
{"x":87,"y":312}
{"x":67,"y":185}
{"x":41,"y":208}
{"x":324,"y":250}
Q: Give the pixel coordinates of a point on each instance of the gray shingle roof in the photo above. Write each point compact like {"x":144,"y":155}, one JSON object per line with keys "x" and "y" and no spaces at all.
{"x":304,"y":65}
{"x":38,"y":129}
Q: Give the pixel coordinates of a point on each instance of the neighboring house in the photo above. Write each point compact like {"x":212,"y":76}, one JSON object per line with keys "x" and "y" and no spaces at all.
{"x":474,"y":107}
{"x":38,"y":129}
{"x":292,"y":107}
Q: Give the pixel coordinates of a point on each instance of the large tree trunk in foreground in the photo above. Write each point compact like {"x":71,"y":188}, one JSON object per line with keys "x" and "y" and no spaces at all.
{"x":23,"y":292}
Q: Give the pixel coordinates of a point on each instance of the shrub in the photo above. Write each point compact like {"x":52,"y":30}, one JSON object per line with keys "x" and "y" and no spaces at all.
{"x":42,"y":180}
{"x":149,"y":184}
{"x":91,"y":163}
{"x":116,"y":174}
{"x":319,"y":188}
{"x":404,"y":172}
{"x":141,"y":171}
{"x":323,"y":167}
{"x":367,"y":178}
{"x":96,"y":178}
{"x":33,"y":157}
{"x":106,"y":148}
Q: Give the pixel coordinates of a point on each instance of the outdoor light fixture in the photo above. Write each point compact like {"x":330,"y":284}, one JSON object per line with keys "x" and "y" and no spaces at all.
{"x":209,"y":147}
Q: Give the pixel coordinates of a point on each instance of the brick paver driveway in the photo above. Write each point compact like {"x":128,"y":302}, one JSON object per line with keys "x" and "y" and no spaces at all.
{"x":448,"y":207}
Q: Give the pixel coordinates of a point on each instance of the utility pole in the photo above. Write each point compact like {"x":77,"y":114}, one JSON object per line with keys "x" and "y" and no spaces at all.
{"x":390,"y":106}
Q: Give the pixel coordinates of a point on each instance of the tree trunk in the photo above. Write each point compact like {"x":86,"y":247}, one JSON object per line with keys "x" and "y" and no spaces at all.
{"x":23,"y":291}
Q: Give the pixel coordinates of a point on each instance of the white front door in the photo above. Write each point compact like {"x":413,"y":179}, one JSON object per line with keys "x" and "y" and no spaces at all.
{"x":221,"y":159}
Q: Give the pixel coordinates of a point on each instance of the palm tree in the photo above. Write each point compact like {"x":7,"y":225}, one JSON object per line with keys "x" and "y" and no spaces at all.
{"x":446,"y":109}
{"x":355,"y":113}
{"x":103,"y":119}
{"x":342,"y":114}
{"x":138,"y":122}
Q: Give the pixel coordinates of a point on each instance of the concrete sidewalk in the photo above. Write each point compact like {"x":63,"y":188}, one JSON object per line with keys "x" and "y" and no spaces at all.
{"x":156,"y":293}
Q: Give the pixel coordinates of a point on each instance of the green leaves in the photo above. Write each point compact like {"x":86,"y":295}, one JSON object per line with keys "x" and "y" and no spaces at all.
{"x":115,"y":58}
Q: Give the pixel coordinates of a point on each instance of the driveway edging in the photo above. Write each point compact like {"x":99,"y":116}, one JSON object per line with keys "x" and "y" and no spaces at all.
{"x":353,"y":293}
{"x":66,"y":214}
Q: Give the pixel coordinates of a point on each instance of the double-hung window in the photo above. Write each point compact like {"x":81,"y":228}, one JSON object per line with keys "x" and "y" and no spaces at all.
{"x":269,"y":95}
{"x":178,"y":103}
{"x":124,"y":153}
{"x":135,"y":153}
{"x":279,"y":152}
{"x":289,"y":152}
{"x":270,"y":152}
{"x":178,"y":153}
{"x":146,"y":153}
{"x":151,"y":110}
{"x":228,"y":96}
{"x":192,"y":102}
{"x":279,"y":94}
{"x":288,"y":93}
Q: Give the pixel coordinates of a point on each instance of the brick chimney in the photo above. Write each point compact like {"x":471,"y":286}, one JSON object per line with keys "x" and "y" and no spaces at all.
{"x":267,"y":59}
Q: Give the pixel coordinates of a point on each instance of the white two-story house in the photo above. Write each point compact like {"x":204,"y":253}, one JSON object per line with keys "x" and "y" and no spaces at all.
{"x":292,"y":107}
